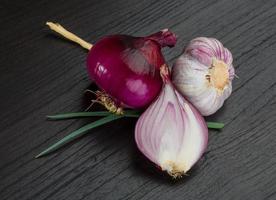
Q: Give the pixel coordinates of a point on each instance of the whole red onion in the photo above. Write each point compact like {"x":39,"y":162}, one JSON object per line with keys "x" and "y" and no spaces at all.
{"x":128,"y":68}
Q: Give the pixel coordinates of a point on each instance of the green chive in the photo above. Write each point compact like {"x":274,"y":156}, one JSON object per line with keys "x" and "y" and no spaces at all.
{"x":78,"y":133}
{"x":108,"y":117}
{"x":215,"y":125}
{"x":127,"y":113}
{"x":78,"y":114}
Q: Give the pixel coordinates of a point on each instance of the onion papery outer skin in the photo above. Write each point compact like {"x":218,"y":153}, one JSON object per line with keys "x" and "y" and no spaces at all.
{"x":191,"y":68}
{"x":171,"y":132}
{"x":127,"y":68}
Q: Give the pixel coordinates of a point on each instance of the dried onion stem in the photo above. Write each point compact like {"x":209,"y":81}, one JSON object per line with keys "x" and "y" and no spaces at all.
{"x":68,"y":35}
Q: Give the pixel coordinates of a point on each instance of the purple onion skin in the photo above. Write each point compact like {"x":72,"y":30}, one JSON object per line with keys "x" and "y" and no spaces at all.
{"x":128,"y":68}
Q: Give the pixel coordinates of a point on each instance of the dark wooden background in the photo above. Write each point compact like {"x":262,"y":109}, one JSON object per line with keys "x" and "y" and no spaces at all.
{"x":41,"y":74}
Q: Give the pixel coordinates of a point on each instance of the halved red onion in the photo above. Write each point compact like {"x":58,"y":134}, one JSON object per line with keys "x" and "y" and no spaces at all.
{"x":171,"y":132}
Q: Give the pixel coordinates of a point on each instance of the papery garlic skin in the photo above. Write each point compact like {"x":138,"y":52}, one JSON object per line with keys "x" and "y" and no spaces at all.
{"x":171,"y":132}
{"x":204,"y":74}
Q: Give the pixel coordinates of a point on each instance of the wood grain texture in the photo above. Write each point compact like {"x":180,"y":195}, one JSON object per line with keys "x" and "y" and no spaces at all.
{"x":41,"y":74}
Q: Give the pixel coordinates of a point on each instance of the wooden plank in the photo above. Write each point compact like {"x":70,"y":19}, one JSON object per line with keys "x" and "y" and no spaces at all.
{"x":41,"y":74}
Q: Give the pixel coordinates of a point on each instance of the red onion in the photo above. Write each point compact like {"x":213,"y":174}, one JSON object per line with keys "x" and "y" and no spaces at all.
{"x":171,"y":132}
{"x":127,"y":68}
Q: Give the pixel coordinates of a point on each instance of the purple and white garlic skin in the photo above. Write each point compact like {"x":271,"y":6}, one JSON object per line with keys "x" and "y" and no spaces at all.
{"x":171,"y":132}
{"x":204,"y":74}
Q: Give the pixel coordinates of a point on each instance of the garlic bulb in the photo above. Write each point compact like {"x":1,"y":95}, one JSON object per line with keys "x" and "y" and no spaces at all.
{"x":204,"y":74}
{"x":171,"y":132}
